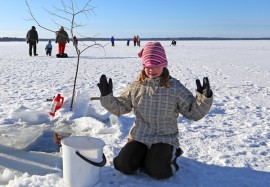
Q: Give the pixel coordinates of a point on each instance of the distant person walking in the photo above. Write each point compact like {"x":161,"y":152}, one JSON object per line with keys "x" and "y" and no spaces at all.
{"x":61,"y":38}
{"x":48,"y":48}
{"x":128,"y":40}
{"x":32,"y":40}
{"x":138,"y":41}
{"x":135,"y":40}
{"x":112,"y":41}
{"x":173,"y":43}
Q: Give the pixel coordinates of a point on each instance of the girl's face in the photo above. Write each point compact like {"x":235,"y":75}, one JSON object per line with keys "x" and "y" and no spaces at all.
{"x":153,"y":72}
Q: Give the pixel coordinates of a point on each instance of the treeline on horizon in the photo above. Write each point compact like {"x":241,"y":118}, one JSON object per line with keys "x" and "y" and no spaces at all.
{"x":11,"y":39}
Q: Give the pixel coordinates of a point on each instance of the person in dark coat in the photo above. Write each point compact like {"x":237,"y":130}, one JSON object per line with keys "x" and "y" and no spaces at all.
{"x":173,"y":43}
{"x":112,"y":40}
{"x":135,"y":40}
{"x":61,"y":38}
{"x":32,"y":40}
{"x":128,"y":40}
{"x":138,"y":41}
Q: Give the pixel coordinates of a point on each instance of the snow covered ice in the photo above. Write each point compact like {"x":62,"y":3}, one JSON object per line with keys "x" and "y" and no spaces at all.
{"x":228,"y":147}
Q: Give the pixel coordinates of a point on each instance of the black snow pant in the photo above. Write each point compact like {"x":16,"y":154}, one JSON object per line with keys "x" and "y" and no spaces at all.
{"x":158,"y":161}
{"x":32,"y":44}
{"x":49,"y":52}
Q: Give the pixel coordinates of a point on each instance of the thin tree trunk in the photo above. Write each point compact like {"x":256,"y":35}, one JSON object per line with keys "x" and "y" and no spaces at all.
{"x":75,"y":80}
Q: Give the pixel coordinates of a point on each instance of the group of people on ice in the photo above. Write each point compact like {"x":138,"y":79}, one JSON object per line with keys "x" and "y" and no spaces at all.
{"x":136,"y":41}
{"x":61,"y":38}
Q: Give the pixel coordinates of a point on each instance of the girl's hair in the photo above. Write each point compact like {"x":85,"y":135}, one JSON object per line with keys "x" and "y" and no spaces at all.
{"x":165,"y":77}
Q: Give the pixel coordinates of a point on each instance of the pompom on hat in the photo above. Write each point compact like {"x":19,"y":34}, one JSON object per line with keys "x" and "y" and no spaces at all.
{"x":153,"y":55}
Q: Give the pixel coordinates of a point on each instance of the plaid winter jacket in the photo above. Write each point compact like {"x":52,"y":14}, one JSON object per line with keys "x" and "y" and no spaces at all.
{"x":157,"y":109}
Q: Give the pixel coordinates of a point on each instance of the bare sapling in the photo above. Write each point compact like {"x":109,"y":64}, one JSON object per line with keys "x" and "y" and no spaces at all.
{"x":67,"y":14}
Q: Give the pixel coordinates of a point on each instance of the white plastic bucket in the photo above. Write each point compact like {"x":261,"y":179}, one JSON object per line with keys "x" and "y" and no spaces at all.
{"x":82,"y":159}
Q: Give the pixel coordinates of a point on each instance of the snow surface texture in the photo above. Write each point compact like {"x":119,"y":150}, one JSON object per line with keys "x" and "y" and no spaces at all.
{"x":228,"y":147}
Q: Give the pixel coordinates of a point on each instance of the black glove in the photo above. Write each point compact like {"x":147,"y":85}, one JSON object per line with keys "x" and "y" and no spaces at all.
{"x":105,"y":87}
{"x":205,"y":89}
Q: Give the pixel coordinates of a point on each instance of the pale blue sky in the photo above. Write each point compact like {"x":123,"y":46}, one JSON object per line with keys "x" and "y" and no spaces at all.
{"x":147,"y":18}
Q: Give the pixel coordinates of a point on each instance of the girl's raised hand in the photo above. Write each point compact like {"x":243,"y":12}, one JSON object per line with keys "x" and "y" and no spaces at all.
{"x":205,"y":89}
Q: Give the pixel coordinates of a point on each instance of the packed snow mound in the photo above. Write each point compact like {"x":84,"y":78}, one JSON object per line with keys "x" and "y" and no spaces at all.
{"x":24,"y":114}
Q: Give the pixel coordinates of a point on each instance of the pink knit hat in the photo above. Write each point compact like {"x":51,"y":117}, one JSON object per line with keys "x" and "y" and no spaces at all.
{"x":153,"y":55}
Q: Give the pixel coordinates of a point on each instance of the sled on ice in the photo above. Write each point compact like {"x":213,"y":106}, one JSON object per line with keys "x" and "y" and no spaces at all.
{"x":64,"y":55}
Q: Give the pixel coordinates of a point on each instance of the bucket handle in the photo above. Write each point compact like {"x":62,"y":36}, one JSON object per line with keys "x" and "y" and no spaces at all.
{"x":100,"y":164}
